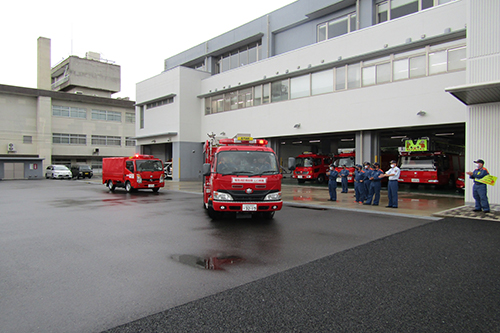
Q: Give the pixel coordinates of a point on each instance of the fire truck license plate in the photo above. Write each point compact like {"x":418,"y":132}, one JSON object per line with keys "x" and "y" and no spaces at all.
{"x":151,"y":185}
{"x":249,"y":207}
{"x":415,"y":180}
{"x":299,"y":176}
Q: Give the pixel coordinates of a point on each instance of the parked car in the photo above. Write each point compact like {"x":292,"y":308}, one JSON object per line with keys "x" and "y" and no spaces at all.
{"x":58,"y":171}
{"x":168,"y":169}
{"x":82,"y":171}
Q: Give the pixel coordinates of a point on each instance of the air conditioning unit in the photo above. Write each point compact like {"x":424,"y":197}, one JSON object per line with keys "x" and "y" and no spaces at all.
{"x":11,"y":147}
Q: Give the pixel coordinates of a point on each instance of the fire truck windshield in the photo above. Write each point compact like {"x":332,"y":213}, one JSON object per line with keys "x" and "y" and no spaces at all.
{"x":148,"y":165}
{"x":417,"y":162}
{"x":348,"y":161}
{"x":246,"y":163}
{"x":304,"y":162}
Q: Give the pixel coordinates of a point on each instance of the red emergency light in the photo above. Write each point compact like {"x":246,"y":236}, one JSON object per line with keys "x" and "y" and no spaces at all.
{"x":246,"y":140}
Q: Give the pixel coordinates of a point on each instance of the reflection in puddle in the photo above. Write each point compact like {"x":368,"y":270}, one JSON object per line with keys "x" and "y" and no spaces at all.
{"x":210,"y":263}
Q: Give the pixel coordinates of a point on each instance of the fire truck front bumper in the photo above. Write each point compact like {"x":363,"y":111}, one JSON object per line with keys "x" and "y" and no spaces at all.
{"x":234,"y":206}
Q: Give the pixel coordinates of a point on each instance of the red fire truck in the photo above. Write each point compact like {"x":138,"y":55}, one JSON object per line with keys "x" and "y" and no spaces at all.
{"x":430,"y":167}
{"x":311,"y":166}
{"x":133,"y":173}
{"x":347,"y":157}
{"x":241,"y":175}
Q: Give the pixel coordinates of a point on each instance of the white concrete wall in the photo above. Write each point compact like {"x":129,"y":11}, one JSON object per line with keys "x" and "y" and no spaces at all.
{"x":163,"y":118}
{"x":18,"y":118}
{"x":483,"y":65}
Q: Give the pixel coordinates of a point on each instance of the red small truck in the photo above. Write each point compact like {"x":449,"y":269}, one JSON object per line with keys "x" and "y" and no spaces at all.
{"x":133,"y":173}
{"x":311,"y":166}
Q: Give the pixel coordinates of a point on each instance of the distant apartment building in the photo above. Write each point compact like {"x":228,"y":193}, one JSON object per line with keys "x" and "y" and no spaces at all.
{"x":69,"y":119}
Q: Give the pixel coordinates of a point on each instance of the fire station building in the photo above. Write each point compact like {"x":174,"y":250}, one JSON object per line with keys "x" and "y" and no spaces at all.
{"x":329,"y":74}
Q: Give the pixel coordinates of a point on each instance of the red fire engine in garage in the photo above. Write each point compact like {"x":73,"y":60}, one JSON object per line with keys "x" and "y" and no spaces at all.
{"x":347,"y":157}
{"x":241,"y":175}
{"x":133,"y":173}
{"x":311,"y":166}
{"x":420,"y":165}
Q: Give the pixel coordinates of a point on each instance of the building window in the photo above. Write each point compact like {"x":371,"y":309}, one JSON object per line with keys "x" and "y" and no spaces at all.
{"x":300,"y":86}
{"x":141,"y":116}
{"x":435,"y":59}
{"x":28,"y":139}
{"x":279,"y":91}
{"x":69,"y":139}
{"x":393,"y":9}
{"x":322,"y":82}
{"x":103,"y":140}
{"x":240,"y":57}
{"x":129,"y":142}
{"x":337,"y":27}
{"x":165,"y":101}
{"x":456,"y":59}
{"x":353,"y":76}
{"x":106,"y":115}
{"x":340,"y":78}
{"x":70,"y":112}
{"x":129,"y":117}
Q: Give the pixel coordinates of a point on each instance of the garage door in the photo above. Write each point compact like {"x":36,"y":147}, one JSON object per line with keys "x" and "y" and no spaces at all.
{"x":13,"y":171}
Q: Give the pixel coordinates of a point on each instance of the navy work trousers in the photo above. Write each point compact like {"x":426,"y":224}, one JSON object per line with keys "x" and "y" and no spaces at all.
{"x":332,"y":188}
{"x":479,"y":194}
{"x":374,"y":190}
{"x":392,"y":188}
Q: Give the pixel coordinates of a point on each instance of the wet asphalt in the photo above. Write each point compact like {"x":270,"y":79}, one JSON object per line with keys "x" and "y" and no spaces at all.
{"x":443,"y":276}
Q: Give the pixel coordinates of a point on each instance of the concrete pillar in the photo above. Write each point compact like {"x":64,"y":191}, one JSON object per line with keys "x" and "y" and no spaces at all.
{"x":367,"y":147}
{"x":43,"y":64}
{"x":44,"y":129}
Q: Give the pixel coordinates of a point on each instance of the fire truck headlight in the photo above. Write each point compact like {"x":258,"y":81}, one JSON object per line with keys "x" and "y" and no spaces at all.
{"x":273,"y":196}
{"x":139,"y":179}
{"x":162,"y":178}
{"x":220,"y":196}
{"x":461,"y":179}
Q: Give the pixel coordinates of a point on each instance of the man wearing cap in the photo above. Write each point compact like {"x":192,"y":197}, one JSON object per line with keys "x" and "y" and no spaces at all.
{"x":359,"y":187}
{"x":479,"y":189}
{"x":375,"y":186}
{"x":332,"y":183}
{"x":392,"y":186}
{"x":344,"y":173}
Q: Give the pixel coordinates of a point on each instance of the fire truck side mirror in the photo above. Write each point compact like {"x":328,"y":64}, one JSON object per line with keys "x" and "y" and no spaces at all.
{"x":291,"y":163}
{"x":206,"y":169}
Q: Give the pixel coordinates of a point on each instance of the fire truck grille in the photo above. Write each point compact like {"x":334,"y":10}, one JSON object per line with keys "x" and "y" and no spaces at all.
{"x":150,"y":180}
{"x":242,"y":196}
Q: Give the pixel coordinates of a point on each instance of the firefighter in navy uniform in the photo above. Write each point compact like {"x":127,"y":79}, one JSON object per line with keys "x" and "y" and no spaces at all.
{"x":332,"y":183}
{"x":344,"y":173}
{"x":392,"y":187}
{"x":375,"y":186}
{"x":479,"y":189}
{"x":359,"y":187}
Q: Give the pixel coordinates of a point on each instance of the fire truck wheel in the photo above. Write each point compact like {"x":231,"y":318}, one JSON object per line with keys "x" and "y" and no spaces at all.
{"x":128,"y":187}
{"x":268,"y":215}
{"x":111,"y":186}
{"x":213,"y":214}
{"x":321,"y":179}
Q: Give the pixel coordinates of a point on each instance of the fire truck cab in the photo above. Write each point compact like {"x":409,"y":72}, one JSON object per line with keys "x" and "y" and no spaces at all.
{"x":241,"y":175}
{"x":310,"y":166}
{"x":133,"y":173}
{"x":430,"y":167}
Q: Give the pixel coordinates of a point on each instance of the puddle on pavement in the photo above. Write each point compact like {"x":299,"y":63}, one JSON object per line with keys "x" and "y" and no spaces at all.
{"x":210,"y":263}
{"x":307,"y":207}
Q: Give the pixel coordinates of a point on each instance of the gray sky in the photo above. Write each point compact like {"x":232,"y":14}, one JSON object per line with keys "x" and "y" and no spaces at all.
{"x":136,"y":36}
